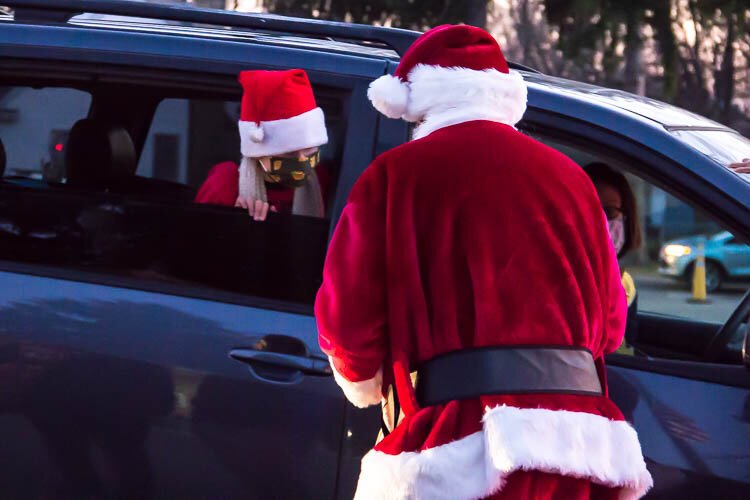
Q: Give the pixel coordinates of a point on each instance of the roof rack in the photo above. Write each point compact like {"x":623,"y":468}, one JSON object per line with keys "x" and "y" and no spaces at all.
{"x":63,"y":10}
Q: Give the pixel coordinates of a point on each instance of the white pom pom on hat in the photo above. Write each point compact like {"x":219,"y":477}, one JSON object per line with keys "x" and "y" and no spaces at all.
{"x":389,"y":95}
{"x":255,"y":132}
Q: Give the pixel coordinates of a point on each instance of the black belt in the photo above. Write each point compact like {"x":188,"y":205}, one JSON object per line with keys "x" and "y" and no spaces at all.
{"x":485,"y":371}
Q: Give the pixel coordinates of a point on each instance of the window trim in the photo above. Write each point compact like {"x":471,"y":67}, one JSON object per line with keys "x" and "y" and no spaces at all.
{"x":132,"y":283}
{"x":724,"y":374}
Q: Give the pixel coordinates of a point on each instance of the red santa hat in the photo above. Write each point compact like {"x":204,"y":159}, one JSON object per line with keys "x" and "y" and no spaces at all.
{"x":457,"y":72}
{"x":279,"y":114}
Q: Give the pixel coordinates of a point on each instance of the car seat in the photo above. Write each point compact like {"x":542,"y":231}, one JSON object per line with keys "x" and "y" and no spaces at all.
{"x":98,"y":155}
{"x":101,"y":156}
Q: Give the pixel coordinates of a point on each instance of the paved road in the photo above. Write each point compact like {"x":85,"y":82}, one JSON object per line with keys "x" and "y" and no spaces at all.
{"x":666,"y":296}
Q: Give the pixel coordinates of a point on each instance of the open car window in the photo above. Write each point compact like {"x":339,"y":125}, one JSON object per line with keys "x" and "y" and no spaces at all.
{"x":671,"y":312}
{"x":144,"y":229}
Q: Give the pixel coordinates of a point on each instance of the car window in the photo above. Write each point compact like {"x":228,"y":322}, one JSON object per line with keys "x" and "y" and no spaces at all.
{"x":143,"y":229}
{"x":674,"y":233}
{"x":187,"y":136}
{"x":34,"y":125}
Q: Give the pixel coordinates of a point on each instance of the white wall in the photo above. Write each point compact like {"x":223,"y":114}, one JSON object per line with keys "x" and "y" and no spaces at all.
{"x":171,"y":117}
{"x":27,"y":140}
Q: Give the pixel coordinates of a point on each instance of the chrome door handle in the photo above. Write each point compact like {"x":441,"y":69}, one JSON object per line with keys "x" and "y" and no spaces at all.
{"x":309,"y":365}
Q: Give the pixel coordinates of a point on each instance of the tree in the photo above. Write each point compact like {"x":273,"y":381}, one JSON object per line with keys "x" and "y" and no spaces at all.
{"x":415,"y":14}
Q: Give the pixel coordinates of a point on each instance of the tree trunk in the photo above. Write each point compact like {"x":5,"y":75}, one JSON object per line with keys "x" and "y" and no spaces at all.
{"x":724,"y":77}
{"x":476,"y":12}
{"x":668,"y":50}
{"x":634,"y":81}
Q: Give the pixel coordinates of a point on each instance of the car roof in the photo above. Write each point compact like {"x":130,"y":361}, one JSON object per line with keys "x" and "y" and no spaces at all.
{"x":187,"y":20}
{"x":666,"y":115}
{"x":159,"y":26}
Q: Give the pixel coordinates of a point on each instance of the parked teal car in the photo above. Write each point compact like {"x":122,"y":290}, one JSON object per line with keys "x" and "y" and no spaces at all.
{"x":727,"y":259}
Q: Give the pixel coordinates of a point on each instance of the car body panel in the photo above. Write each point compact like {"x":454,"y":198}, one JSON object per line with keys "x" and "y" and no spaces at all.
{"x":686,"y":445}
{"x":141,"y":383}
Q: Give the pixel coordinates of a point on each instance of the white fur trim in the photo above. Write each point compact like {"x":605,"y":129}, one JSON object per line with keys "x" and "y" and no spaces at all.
{"x":440,"y":97}
{"x":567,"y":442}
{"x":361,"y":394}
{"x":389,"y":95}
{"x":452,"y":471}
{"x":303,"y":131}
{"x":564,"y":442}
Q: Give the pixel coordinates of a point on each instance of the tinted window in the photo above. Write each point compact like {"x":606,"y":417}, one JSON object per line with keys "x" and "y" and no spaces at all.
{"x":188,"y":136}
{"x":34,"y":125}
{"x":138,"y":230}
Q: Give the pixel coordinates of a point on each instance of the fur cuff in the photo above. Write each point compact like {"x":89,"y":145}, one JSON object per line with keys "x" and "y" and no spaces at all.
{"x":361,"y":394}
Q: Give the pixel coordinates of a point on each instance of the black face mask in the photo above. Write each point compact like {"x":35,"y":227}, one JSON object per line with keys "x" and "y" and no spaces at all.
{"x":290,"y":172}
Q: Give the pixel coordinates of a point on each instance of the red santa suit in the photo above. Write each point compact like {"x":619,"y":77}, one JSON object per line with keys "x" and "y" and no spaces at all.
{"x":470,"y":236}
{"x":278,"y":116}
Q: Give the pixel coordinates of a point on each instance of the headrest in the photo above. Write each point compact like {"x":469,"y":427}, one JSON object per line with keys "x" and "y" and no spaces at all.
{"x":98,"y":154}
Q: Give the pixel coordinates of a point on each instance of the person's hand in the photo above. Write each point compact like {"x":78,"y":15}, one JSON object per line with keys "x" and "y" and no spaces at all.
{"x":257,"y":209}
{"x":742,"y":167}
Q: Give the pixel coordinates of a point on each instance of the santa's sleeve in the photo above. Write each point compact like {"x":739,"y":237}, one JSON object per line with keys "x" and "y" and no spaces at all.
{"x":350,"y":307}
{"x":221,"y":185}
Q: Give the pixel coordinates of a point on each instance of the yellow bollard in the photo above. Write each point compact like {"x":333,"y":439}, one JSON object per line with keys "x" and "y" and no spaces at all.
{"x":699,"y":276}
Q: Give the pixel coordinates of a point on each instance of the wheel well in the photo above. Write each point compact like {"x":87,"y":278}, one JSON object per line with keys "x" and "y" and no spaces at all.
{"x":689,"y":268}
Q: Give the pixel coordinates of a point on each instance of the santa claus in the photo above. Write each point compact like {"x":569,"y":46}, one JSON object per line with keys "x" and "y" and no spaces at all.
{"x":281,"y":131}
{"x":478,"y":259}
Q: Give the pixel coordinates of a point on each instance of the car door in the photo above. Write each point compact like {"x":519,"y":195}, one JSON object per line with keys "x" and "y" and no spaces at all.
{"x":690,"y":409}
{"x":693,"y":421}
{"x":152,"y":348}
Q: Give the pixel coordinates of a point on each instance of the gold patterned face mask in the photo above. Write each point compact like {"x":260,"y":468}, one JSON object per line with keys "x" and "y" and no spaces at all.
{"x":290,"y":172}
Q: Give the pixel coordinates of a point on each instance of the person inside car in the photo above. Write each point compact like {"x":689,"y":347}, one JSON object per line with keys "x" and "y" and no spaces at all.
{"x":281,"y":131}
{"x":618,"y":203}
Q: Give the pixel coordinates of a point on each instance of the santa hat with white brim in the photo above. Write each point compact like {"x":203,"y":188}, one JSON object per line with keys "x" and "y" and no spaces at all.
{"x":279,"y":116}
{"x":453,"y":72}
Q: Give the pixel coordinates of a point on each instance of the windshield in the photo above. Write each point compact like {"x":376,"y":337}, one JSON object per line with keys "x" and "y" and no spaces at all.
{"x":722,"y":146}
